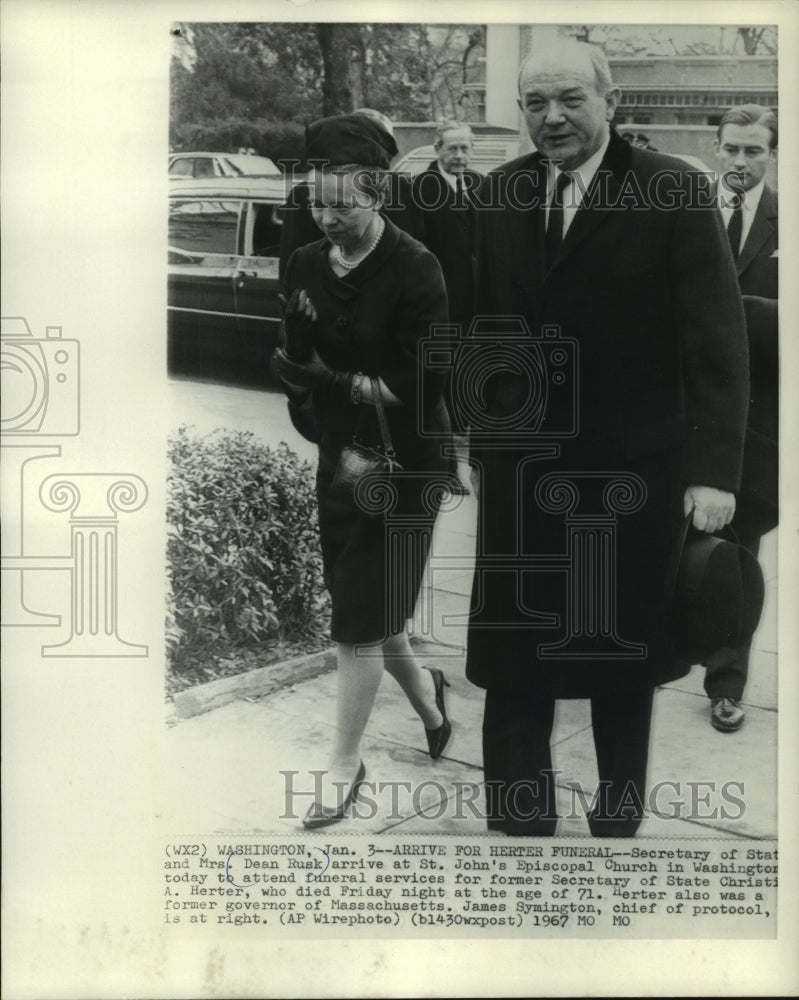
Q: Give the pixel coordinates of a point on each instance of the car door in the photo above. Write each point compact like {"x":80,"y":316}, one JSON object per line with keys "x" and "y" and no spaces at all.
{"x":204,"y":243}
{"x":256,"y":284}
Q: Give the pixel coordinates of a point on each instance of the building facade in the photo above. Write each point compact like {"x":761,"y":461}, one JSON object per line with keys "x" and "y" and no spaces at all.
{"x":656,"y":90}
{"x":691,"y":90}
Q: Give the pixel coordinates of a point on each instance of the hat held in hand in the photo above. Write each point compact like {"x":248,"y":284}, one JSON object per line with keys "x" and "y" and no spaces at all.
{"x":715,"y":590}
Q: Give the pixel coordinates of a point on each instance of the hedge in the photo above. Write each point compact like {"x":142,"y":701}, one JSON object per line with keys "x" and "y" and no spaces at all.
{"x":243,"y":555}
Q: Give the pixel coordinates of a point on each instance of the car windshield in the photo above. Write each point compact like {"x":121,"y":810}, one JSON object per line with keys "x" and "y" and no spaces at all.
{"x":246,"y":165}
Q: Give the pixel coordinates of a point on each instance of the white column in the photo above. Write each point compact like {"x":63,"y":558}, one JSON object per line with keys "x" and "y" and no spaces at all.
{"x":94,"y":500}
{"x":502,"y":67}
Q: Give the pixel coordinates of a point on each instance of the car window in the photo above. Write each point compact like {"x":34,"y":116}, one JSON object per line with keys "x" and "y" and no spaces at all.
{"x":204,"y":225}
{"x":264,"y":230}
{"x":181,"y":167}
{"x":204,"y":166}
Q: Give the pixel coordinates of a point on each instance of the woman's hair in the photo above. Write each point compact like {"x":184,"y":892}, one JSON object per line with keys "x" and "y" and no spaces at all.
{"x":372,"y":181}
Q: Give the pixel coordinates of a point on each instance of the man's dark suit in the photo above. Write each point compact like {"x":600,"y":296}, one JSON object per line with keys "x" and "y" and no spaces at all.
{"x":757,"y":276}
{"x":449,"y":232}
{"x":757,"y":505}
{"x":645,"y":303}
{"x":757,"y":264}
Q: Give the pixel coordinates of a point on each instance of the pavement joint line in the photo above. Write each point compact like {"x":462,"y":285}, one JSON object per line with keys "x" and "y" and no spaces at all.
{"x":577,"y":732}
{"x":704,"y":697}
{"x":452,"y":593}
{"x":416,"y":815}
{"x":370,"y":734}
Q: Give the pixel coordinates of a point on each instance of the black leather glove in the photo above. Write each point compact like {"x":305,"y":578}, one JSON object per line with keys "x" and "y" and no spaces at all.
{"x":278,"y":368}
{"x":315,"y":375}
{"x":299,"y":324}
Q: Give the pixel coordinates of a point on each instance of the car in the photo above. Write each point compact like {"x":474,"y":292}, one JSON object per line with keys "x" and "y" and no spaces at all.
{"x":198,"y":165}
{"x":222,"y":284}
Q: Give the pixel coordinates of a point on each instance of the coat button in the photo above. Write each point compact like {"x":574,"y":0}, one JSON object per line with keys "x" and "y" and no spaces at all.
{"x":341,"y":321}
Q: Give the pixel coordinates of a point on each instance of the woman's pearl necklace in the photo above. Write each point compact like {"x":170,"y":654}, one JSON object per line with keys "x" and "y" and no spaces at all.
{"x":348,"y":265}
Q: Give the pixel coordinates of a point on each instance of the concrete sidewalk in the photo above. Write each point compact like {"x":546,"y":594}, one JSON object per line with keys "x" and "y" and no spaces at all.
{"x":224,"y":767}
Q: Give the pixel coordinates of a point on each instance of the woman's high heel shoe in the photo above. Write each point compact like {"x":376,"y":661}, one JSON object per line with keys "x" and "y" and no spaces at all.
{"x":437,"y":739}
{"x":319,"y":815}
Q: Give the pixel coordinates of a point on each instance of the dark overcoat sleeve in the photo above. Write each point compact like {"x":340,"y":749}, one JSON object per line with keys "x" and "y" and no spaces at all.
{"x":710,"y":320}
{"x":421,"y":305}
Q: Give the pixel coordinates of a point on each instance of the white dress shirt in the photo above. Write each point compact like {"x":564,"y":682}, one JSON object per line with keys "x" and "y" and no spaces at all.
{"x":573,"y":195}
{"x":751,"y":199}
{"x":452,"y":179}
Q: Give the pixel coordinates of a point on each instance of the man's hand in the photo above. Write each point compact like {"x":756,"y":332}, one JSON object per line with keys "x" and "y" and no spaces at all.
{"x":713,"y":509}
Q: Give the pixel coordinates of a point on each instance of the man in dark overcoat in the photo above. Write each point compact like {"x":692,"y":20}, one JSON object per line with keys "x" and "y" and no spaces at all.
{"x":443,"y":195}
{"x":614,"y":382}
{"x":746,"y":146}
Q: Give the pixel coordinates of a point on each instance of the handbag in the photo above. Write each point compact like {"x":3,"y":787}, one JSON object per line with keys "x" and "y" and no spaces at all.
{"x":358,"y":461}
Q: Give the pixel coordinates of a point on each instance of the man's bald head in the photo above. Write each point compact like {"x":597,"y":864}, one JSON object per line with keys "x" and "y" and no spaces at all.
{"x":568,"y":99}
{"x":569,"y":53}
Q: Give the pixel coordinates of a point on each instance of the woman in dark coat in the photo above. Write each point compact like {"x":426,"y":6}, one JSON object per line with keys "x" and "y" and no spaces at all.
{"x":365,"y":296}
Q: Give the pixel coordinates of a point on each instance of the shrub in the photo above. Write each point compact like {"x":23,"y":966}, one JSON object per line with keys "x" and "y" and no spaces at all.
{"x":245,"y":566}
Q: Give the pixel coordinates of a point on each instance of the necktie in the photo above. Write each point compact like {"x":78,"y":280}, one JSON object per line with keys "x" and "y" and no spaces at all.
{"x":554,"y":235}
{"x":458,"y":190}
{"x":735,"y":227}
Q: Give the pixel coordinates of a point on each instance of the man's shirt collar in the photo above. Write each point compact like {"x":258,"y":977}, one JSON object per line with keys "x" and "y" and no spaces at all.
{"x":586,"y":171}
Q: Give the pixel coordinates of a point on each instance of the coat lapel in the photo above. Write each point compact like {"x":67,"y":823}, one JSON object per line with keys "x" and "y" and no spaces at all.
{"x":455,"y":210}
{"x":527,"y":235}
{"x":602,"y":194}
{"x":761,"y":232}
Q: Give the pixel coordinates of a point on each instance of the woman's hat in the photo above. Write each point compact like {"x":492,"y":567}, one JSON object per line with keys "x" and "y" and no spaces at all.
{"x":349,"y":139}
{"x":715,"y":593}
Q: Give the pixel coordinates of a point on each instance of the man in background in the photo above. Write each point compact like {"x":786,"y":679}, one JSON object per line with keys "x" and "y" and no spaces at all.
{"x":442,"y":194}
{"x":746,"y":146}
